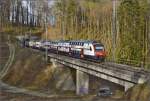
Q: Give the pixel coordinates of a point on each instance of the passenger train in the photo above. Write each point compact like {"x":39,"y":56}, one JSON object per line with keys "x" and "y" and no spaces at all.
{"x":83,"y":49}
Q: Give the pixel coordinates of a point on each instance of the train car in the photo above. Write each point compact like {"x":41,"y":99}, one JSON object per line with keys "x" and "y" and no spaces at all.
{"x":88,"y":50}
{"x":53,"y":47}
{"x":45,"y":45}
{"x":63,"y":47}
{"x":83,"y":49}
{"x":76,"y":48}
{"x":30,"y":41}
{"x":39,"y":44}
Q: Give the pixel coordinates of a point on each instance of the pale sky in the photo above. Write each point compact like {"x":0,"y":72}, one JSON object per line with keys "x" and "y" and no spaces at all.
{"x":51,"y":2}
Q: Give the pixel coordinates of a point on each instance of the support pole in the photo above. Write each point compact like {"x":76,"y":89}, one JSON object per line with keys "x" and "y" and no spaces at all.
{"x":82,"y":83}
{"x":46,"y":51}
{"x":114,"y":30}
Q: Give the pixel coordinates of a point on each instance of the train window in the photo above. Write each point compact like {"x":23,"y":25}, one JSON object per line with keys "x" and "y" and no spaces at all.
{"x":98,"y":47}
{"x":90,"y":48}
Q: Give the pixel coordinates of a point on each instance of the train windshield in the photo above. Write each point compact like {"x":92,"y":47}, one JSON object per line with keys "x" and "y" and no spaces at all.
{"x":99,"y":47}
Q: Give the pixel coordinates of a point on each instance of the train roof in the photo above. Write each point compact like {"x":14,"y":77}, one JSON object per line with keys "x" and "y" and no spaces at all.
{"x":84,"y":41}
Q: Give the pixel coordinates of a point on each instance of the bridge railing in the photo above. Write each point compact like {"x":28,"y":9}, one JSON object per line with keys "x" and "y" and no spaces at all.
{"x":143,"y":65}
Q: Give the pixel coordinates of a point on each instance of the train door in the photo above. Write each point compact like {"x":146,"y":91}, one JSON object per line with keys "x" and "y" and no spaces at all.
{"x":82,"y":53}
{"x":88,"y":49}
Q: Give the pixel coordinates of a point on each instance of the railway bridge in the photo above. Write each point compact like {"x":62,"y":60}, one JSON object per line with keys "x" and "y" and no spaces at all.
{"x":123,"y":75}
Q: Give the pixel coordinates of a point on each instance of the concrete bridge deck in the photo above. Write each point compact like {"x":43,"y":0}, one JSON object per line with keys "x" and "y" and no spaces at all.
{"x":124,"y":75}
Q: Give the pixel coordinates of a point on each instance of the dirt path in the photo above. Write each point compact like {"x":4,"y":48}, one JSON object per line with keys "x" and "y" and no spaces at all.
{"x":4,"y":51}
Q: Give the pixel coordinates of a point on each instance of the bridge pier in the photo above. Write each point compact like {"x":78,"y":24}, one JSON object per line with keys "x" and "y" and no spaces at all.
{"x":54,"y":63}
{"x":82,"y":83}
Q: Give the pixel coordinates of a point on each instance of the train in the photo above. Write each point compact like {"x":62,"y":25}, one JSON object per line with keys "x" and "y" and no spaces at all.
{"x":83,"y":49}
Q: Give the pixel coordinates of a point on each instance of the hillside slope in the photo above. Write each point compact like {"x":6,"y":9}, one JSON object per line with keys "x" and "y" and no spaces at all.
{"x":4,"y":51}
{"x":139,"y":92}
{"x":31,"y":71}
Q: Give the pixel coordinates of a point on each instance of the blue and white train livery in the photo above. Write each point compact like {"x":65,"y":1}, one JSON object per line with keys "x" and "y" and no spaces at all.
{"x":83,"y":49}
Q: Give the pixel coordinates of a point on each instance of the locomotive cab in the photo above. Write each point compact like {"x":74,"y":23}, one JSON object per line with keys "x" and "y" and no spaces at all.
{"x":99,"y":51}
{"x":95,"y":51}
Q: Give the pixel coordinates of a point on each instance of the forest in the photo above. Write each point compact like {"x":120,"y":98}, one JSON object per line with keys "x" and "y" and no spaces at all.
{"x":123,"y":26}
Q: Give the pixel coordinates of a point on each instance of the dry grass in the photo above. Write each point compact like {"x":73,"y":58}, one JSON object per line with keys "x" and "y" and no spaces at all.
{"x":118,"y":94}
{"x":139,"y":92}
{"x":24,"y":68}
{"x":18,"y":30}
{"x":30,"y":71}
{"x":53,"y":34}
{"x":41,"y":80}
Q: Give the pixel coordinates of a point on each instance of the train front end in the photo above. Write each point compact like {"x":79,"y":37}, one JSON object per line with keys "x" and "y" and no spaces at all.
{"x":100,"y":53}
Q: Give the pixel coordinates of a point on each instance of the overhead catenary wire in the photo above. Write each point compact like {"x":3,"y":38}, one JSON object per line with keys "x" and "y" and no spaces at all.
{"x":114,"y":29}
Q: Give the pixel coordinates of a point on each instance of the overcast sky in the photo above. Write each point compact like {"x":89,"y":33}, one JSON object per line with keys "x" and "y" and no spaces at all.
{"x":51,"y":2}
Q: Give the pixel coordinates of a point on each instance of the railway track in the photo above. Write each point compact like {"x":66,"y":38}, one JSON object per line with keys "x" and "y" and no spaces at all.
{"x":9,"y":61}
{"x":112,"y":66}
{"x":125,"y":70}
{"x":4,"y":51}
{"x":7,"y":53}
{"x":119,"y":68}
